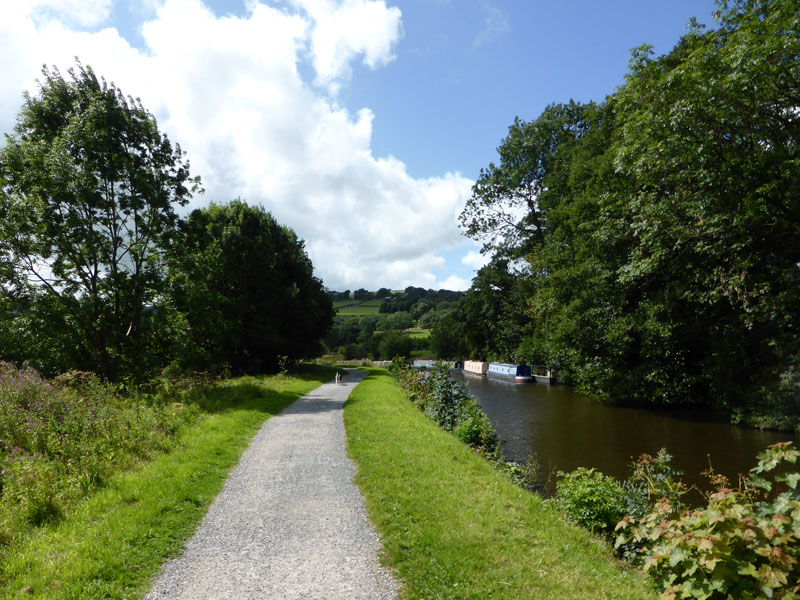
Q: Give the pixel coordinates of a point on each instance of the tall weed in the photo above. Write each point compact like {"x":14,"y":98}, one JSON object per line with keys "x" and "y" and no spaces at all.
{"x":61,"y":439}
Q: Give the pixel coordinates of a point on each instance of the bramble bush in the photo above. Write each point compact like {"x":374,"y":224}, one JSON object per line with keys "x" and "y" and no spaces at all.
{"x":61,"y":439}
{"x":744,"y":544}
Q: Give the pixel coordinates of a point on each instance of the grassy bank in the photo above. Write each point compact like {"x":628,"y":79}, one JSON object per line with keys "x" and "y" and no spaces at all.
{"x":453,"y":527}
{"x":111,"y":544}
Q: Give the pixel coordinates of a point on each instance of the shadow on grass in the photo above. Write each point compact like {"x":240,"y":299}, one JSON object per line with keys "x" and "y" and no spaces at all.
{"x":257,"y":392}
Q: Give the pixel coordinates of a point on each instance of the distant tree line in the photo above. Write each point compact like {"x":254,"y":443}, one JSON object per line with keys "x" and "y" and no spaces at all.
{"x":383,"y":336}
{"x":647,"y":246}
{"x":100,"y":273}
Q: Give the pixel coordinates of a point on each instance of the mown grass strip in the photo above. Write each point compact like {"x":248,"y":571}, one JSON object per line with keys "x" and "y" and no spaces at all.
{"x":453,"y":527}
{"x":114,"y":544}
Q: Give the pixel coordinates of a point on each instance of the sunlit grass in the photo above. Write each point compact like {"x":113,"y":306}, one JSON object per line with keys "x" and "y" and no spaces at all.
{"x":112,"y":544}
{"x":418,"y":332}
{"x":454,"y":527}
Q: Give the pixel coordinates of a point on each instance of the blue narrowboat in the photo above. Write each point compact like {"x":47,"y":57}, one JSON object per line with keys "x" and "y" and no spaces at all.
{"x":518,"y":373}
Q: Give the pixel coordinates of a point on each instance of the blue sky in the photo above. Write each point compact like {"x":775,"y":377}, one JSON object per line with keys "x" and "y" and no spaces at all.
{"x":362,"y":124}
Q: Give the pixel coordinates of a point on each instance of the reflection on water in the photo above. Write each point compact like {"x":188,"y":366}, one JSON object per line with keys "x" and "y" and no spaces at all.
{"x":565,"y":430}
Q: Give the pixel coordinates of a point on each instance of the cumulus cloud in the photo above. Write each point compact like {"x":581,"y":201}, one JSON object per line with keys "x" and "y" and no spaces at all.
{"x":344,"y":29}
{"x":229,"y":90}
{"x":474,"y":259}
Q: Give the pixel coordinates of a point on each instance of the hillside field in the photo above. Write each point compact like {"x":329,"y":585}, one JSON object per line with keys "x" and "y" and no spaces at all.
{"x":357,"y":308}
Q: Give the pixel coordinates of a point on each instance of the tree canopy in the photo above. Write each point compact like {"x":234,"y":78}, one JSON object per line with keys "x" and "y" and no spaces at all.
{"x":653,"y":237}
{"x":246,"y":287}
{"x":88,"y":192}
{"x":99,"y":273}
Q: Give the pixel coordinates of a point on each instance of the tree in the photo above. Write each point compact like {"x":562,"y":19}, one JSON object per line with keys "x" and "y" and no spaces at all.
{"x":88,"y":190}
{"x":710,"y":133}
{"x":247,"y":289}
{"x":448,"y":338}
{"x":660,"y":228}
{"x":394,"y":343}
{"x":508,"y":207}
{"x":396,"y":321}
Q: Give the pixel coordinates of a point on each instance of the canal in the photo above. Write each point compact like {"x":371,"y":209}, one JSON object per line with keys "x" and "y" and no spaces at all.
{"x":564,"y":430}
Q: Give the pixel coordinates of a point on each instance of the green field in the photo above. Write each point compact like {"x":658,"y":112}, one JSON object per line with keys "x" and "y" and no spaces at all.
{"x":418,"y":332}
{"x":357,"y":308}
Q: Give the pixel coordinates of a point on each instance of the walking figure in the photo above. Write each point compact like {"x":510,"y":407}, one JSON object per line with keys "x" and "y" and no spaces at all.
{"x":338,"y":378}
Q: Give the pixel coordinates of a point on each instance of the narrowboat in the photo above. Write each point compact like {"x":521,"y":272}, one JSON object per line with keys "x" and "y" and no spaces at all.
{"x":518,"y":373}
{"x":476,"y":367}
{"x":543,"y":374}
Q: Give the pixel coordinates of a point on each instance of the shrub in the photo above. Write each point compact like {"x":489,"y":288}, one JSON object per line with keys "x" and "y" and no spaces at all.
{"x":652,"y":479}
{"x":744,"y":544}
{"x":591,"y":499}
{"x":451,"y":396}
{"x":475,"y":429}
{"x":448,"y":403}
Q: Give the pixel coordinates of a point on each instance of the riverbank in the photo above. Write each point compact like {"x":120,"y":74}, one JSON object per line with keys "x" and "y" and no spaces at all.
{"x":114,"y":542}
{"x":454,"y":527}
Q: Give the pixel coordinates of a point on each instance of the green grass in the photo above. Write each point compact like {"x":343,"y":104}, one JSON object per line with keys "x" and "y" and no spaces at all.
{"x":455,"y":528}
{"x":337,"y":304}
{"x":418,"y":332}
{"x":114,"y":543}
{"x":355,"y":308}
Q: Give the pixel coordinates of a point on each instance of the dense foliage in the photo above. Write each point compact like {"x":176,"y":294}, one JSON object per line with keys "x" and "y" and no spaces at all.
{"x":448,"y":404}
{"x":745,"y":543}
{"x":385,"y":335}
{"x":247,"y":290}
{"x":88,"y":192}
{"x":590,"y":498}
{"x":647,"y":246}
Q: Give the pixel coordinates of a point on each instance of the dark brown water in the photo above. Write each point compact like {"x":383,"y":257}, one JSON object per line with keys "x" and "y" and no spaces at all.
{"x":565,"y":430}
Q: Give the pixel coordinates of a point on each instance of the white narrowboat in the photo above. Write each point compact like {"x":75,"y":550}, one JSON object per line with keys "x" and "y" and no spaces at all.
{"x":476,"y":367}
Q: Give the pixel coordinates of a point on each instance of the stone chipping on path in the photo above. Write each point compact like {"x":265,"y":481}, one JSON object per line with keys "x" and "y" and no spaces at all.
{"x":290,"y":523}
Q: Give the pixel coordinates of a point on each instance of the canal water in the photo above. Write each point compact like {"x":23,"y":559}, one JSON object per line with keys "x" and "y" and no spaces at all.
{"x":564,"y":430}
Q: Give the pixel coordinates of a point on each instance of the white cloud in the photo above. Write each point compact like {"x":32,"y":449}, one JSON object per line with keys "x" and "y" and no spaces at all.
{"x":495,"y":24}
{"x":455,"y":283}
{"x":344,"y":29}
{"x":228,"y":89}
{"x":88,"y":13}
{"x":474,"y":259}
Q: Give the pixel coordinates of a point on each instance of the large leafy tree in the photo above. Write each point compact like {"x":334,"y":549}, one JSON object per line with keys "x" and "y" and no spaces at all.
{"x":88,"y":191}
{"x":711,"y":137}
{"x":661,"y":227}
{"x":246,"y":287}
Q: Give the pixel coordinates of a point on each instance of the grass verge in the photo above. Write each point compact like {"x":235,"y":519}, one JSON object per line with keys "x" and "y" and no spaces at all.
{"x":453,"y":527}
{"x":114,"y":543}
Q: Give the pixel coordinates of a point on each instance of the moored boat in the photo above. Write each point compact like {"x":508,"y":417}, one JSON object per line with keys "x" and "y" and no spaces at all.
{"x":476,"y":367}
{"x":543,"y":374}
{"x":518,"y":373}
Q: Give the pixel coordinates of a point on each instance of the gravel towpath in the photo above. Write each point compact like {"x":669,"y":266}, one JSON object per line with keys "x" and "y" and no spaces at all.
{"x":289,"y":523}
